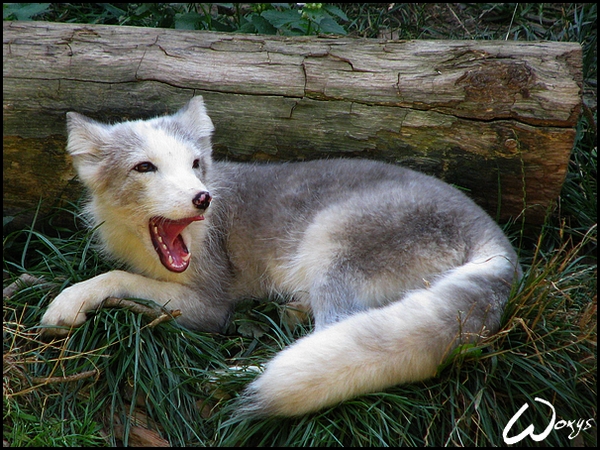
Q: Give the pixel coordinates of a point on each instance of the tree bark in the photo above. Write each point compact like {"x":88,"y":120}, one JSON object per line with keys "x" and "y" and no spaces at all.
{"x":496,"y":118}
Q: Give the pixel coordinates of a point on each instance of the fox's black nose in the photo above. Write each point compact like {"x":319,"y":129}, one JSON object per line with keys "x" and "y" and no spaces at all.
{"x":202,"y":200}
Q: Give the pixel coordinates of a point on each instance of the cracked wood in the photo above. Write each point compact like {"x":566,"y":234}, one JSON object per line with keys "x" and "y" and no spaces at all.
{"x":496,"y":118}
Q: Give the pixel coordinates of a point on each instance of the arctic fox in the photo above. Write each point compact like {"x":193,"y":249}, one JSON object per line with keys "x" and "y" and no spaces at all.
{"x":396,"y":267}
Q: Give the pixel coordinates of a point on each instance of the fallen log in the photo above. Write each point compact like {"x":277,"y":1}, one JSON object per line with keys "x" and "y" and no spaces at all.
{"x":495,"y":118}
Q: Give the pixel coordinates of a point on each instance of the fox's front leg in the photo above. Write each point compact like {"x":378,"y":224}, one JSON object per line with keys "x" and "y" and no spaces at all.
{"x":69,"y":308}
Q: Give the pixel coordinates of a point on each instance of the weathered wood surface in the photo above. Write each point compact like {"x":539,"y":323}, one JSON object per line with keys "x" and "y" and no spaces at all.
{"x":496,"y":118}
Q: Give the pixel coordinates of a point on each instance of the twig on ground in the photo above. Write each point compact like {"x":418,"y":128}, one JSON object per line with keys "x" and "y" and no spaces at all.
{"x":155,"y":316}
{"x":23,"y":281}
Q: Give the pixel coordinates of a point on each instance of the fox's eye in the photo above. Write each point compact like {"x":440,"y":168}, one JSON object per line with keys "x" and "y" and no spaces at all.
{"x":145,"y":167}
{"x":196,"y":164}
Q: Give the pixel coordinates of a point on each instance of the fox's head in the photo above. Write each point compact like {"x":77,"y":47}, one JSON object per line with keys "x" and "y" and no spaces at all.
{"x":146,"y":177}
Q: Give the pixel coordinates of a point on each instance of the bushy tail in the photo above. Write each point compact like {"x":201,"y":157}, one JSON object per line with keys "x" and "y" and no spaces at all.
{"x":402,"y":342}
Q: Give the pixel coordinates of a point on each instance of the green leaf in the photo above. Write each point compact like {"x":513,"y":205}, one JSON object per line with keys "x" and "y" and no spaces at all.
{"x":280,"y":19}
{"x":113,"y":10}
{"x":252,"y":329}
{"x":329,"y":26}
{"x":24,"y":11}
{"x":262,"y":25}
{"x":6,"y":220}
{"x":332,"y":9}
{"x":188,"y":21}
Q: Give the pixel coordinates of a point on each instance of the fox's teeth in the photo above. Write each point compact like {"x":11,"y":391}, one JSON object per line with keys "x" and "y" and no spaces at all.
{"x":164,"y":246}
{"x":170,"y":260}
{"x":186,"y":257}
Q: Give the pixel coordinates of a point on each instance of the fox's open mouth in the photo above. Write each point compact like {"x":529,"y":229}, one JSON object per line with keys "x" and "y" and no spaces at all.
{"x":168,"y":242}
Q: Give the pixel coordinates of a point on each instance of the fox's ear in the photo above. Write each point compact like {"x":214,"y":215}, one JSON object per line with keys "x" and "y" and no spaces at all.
{"x":194,"y":118}
{"x":85,"y":135}
{"x":85,"y":140}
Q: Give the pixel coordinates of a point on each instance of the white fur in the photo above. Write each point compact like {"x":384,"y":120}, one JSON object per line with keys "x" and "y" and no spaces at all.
{"x":403,"y":342}
{"x":398,"y":268}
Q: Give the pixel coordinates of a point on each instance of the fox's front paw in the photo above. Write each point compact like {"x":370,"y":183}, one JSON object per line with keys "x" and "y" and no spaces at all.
{"x":66,"y":310}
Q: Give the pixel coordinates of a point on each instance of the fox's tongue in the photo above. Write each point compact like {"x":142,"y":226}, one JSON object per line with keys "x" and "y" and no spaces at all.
{"x":168,"y":243}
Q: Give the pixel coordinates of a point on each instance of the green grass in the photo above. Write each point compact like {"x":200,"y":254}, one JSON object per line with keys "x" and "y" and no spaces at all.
{"x":117,"y":378}
{"x":180,"y":382}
